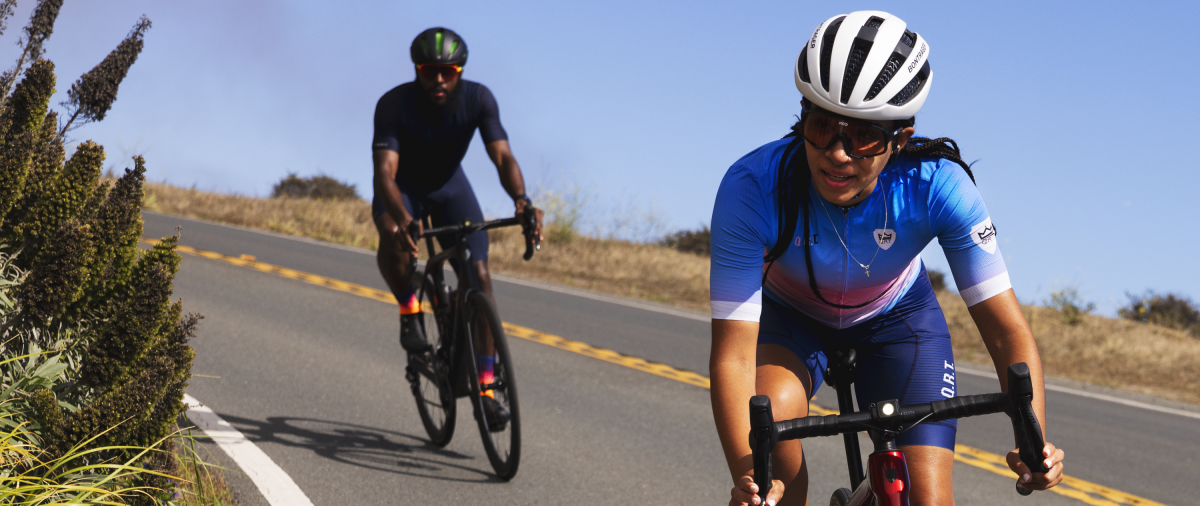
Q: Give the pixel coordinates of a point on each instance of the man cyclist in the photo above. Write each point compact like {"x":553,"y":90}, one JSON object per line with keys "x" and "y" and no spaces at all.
{"x":816,"y":242}
{"x":422,"y":131}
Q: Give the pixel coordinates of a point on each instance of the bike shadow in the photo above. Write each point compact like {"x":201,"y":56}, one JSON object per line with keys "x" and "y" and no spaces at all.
{"x":365,"y":447}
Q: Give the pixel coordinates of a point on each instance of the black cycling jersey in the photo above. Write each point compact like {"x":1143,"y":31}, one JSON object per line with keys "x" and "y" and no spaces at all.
{"x":433,"y":140}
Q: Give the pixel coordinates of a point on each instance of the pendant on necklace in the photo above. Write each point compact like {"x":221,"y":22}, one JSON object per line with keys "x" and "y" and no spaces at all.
{"x":868,"y":272}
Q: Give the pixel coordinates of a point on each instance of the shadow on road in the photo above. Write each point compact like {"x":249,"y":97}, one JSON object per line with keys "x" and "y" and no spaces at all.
{"x":368,"y":447}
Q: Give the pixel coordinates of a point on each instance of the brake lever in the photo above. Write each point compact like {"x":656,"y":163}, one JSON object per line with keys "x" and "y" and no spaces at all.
{"x":763,"y":437}
{"x":1026,"y":428}
{"x":530,"y":226}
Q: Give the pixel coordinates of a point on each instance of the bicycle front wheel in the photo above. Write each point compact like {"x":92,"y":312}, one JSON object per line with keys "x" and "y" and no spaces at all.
{"x":501,"y":433}
{"x":429,"y":375}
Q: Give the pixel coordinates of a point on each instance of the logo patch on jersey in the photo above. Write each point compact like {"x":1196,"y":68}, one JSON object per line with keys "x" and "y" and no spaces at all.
{"x":885,"y":237}
{"x":984,"y":235}
{"x":800,"y":241}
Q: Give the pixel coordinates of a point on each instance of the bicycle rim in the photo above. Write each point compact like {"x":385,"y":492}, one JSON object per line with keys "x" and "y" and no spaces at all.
{"x":429,"y":377}
{"x":503,"y":446}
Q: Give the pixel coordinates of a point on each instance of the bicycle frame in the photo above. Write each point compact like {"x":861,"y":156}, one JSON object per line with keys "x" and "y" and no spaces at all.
{"x":460,"y":369}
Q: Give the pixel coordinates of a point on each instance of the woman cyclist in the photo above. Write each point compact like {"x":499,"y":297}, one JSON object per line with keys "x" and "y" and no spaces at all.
{"x":816,"y":242}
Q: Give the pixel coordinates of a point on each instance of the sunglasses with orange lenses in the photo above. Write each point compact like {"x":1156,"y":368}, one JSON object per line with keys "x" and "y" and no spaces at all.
{"x":431,"y":71}
{"x":861,"y":139}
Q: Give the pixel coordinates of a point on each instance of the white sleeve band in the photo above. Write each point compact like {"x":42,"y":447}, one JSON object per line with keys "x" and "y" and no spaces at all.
{"x":986,"y":290}
{"x":744,"y":311}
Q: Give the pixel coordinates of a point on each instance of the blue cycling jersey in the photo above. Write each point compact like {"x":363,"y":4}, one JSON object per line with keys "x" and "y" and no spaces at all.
{"x":919,"y":199}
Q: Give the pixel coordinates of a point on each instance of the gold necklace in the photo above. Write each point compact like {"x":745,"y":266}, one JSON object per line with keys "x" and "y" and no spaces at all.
{"x":866,"y":267}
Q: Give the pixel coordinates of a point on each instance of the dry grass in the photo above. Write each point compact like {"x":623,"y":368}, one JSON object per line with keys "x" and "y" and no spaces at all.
{"x":1114,"y":353}
{"x":1103,"y":351}
{"x":643,"y":271}
{"x":203,"y":483}
{"x":344,"y":222}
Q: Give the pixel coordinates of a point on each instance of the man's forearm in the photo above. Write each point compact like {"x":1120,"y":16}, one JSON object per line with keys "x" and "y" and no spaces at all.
{"x":511,"y":178}
{"x":393,"y":200}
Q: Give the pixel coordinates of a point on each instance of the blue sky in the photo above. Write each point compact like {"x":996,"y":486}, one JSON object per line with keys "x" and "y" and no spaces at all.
{"x":1081,"y":115}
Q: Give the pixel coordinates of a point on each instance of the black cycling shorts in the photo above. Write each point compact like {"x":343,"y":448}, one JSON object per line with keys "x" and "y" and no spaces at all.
{"x":451,"y":204}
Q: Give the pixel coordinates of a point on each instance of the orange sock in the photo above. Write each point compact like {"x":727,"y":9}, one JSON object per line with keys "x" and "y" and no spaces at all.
{"x":486,"y":367}
{"x":413,"y":306}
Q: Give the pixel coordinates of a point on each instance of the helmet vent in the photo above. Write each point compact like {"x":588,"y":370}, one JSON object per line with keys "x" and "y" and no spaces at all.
{"x":885,"y":76}
{"x":802,"y":64}
{"x":858,"y":55}
{"x":899,"y":56}
{"x":913,"y":88}
{"x":827,"y":49}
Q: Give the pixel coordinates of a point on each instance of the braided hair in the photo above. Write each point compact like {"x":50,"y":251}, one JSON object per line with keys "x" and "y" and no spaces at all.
{"x":791,"y":192}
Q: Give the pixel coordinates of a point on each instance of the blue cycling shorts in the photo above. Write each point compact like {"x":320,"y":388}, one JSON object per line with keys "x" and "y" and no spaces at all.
{"x":903,"y":354}
{"x":451,"y":204}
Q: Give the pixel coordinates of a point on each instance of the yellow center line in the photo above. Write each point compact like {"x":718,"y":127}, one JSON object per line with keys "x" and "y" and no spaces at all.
{"x":1084,"y":491}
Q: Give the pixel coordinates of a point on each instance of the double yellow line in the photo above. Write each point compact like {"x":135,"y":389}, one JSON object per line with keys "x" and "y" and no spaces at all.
{"x":1084,"y":491}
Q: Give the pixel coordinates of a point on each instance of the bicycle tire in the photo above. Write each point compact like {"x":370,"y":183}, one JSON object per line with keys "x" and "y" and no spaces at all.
{"x":503,"y":446}
{"x":430,"y":383}
{"x":841,"y":497}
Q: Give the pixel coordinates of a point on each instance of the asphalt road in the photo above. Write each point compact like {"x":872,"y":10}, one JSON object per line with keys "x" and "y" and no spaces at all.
{"x":315,"y":378}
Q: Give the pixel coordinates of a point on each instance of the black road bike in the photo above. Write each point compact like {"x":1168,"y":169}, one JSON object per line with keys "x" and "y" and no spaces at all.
{"x":887,"y":483}
{"x":457,"y":324}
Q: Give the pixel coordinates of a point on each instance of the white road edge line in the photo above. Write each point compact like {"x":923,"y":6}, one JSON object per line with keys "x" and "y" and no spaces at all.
{"x":274,"y":484}
{"x":1093,"y":395}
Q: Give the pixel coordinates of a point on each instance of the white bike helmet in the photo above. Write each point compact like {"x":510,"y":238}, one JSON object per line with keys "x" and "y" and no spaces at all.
{"x":865,"y":65}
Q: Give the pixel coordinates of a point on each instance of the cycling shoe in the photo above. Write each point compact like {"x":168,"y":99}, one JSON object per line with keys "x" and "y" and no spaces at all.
{"x":497,"y":416}
{"x":412,"y":334}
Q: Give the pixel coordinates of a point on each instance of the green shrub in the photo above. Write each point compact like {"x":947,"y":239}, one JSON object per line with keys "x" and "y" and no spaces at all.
{"x":94,"y":358}
{"x":131,"y":333}
{"x":320,"y":186}
{"x":64,"y":194}
{"x":47,"y":161}
{"x":1070,"y":303}
{"x":564,"y":213}
{"x":21,"y":121}
{"x":690,"y":241}
{"x":58,"y":275}
{"x":1170,"y":310}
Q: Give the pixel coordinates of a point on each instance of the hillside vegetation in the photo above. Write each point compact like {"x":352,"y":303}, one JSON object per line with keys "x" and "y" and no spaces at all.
{"x":1117,"y":353}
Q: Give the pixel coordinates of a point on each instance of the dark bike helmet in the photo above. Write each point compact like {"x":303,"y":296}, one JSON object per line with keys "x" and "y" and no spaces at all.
{"x":439,"y":45}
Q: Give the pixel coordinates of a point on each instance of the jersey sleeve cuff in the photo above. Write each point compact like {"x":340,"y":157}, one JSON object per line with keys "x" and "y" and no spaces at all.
{"x":744,"y":311}
{"x":985,"y":290}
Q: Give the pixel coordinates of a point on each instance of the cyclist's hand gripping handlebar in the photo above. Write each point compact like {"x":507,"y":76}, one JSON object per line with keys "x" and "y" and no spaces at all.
{"x":529,"y":226}
{"x":1026,"y":428}
{"x":763,"y":437}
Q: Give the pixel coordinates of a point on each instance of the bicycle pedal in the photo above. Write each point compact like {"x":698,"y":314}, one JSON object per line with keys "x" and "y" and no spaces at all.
{"x":410,"y":374}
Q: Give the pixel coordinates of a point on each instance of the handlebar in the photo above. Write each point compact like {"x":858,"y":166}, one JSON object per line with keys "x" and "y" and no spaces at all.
{"x":1017,"y":403}
{"x":528,"y":224}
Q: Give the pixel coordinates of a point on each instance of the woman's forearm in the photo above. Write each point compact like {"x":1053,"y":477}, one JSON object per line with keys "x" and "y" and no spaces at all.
{"x":732,"y":372}
{"x":732,"y":388}
{"x":1009,"y":340}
